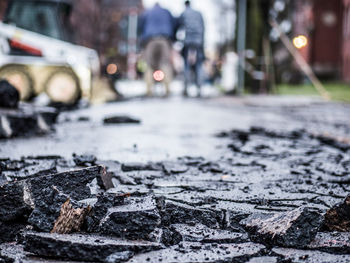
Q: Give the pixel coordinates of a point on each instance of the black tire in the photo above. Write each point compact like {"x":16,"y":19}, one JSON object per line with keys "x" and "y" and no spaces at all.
{"x":63,"y":86}
{"x":19,"y":77}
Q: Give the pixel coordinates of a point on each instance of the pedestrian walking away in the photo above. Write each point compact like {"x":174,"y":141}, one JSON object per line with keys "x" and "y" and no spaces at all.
{"x":191,"y":21}
{"x":157,"y":27}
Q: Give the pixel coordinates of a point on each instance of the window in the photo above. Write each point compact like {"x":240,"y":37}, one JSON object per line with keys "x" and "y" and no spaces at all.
{"x":40,"y":17}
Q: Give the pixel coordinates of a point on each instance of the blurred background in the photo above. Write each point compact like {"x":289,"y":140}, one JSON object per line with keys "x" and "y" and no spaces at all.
{"x":265,"y":46}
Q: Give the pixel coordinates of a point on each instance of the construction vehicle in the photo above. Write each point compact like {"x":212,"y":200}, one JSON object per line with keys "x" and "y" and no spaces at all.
{"x":36,"y":54}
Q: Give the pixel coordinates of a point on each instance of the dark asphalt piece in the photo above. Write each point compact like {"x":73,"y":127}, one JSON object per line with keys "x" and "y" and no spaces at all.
{"x":296,"y":228}
{"x":82,"y":247}
{"x":196,"y":252}
{"x":309,"y":256}
{"x":204,"y":234}
{"x":100,"y":209}
{"x":135,"y":220}
{"x":120,"y":120}
{"x":338,"y":217}
{"x":84,"y":160}
{"x":331,"y":242}
{"x":49,"y":210}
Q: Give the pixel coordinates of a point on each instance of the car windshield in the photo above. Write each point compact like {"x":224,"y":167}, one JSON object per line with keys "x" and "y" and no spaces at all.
{"x":40,"y":17}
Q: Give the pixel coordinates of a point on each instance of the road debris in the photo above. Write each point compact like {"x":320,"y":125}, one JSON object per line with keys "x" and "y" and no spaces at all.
{"x":296,"y":228}
{"x":270,"y":190}
{"x":121,"y":120}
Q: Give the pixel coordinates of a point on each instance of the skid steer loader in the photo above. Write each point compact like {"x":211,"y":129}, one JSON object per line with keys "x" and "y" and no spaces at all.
{"x":37,"y":55}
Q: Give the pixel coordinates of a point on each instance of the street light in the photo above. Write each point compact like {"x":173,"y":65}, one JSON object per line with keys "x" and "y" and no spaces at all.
{"x":300,"y":41}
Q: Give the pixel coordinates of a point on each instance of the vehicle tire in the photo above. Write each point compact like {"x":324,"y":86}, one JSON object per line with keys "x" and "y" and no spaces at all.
{"x":63,"y":86}
{"x":20,"y":78}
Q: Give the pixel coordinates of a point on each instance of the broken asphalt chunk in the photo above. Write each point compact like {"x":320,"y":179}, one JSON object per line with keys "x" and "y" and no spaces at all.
{"x":296,"y":228}
{"x":338,"y":217}
{"x":29,"y":167}
{"x":134,"y":220}
{"x":128,"y":167}
{"x":56,"y":212}
{"x":84,"y":160}
{"x":9,"y":231}
{"x":14,"y":203}
{"x":204,"y":234}
{"x":309,"y":256}
{"x":14,"y":210}
{"x":72,"y":183}
{"x":100,"y":208}
{"x":120,"y":120}
{"x":174,"y":167}
{"x":335,"y":242}
{"x":11,"y":252}
{"x":177,"y":213}
{"x":79,"y":247}
{"x":196,"y":252}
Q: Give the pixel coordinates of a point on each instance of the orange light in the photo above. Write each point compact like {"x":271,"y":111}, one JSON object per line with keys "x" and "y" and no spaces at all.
{"x":112,"y":69}
{"x":158,"y":75}
{"x":300,"y":41}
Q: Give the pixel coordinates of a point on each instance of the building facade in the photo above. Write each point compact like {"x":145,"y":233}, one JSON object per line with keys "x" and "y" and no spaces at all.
{"x":326,"y":25}
{"x":346,"y":41}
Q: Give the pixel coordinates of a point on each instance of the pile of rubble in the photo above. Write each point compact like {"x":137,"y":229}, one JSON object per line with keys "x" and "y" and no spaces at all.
{"x":275,"y":197}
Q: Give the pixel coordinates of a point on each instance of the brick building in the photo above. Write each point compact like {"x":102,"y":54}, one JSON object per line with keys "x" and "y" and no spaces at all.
{"x":346,"y":41}
{"x":327,"y":27}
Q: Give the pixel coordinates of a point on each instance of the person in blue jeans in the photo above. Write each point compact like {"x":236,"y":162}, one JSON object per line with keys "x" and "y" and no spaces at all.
{"x":193,"y":52}
{"x":156,"y":27}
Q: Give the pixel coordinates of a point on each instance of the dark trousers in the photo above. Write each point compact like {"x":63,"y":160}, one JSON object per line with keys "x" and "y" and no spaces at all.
{"x":193,"y":57}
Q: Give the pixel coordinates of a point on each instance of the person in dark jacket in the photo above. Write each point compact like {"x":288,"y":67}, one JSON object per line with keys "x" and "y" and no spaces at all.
{"x":157,"y":28}
{"x":193,"y":52}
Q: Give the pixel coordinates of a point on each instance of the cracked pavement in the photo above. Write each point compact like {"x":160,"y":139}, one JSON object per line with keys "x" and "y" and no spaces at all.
{"x":191,"y":176}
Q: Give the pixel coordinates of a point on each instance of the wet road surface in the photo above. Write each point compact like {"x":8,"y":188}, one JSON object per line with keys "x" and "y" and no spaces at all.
{"x":192,"y":180}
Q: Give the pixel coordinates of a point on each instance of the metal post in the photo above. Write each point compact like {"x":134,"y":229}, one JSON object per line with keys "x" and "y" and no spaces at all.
{"x":132,"y":39}
{"x":241,"y":42}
